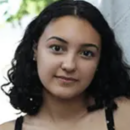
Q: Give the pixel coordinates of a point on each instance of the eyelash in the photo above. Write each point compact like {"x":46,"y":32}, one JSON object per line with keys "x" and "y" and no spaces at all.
{"x":55,"y":46}
{"x":90,"y":52}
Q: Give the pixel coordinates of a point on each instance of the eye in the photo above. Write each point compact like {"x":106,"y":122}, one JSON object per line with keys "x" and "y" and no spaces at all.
{"x":88,"y":54}
{"x":56,"y":48}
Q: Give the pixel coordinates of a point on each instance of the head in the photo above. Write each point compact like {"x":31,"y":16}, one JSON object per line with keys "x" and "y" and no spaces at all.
{"x":69,"y":47}
{"x":67,"y":39}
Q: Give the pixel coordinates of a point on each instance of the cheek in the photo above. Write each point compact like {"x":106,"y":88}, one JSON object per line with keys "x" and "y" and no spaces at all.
{"x":87,"y":72}
{"x":46,"y":65}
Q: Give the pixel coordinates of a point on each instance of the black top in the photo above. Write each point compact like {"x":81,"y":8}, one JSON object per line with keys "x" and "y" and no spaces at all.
{"x":108,"y":114}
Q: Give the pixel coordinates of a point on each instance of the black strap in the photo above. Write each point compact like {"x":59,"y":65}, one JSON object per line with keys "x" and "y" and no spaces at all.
{"x":18,"y":123}
{"x":109,"y":118}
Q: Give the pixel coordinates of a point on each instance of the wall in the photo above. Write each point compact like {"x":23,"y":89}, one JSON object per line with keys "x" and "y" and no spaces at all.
{"x":117,"y":13}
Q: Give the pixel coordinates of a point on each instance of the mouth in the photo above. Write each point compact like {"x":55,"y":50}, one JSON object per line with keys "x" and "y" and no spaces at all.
{"x":66,"y":79}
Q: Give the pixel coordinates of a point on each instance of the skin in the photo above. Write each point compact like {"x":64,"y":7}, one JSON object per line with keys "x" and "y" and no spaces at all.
{"x":69,"y":60}
{"x":77,"y":56}
{"x":64,"y":107}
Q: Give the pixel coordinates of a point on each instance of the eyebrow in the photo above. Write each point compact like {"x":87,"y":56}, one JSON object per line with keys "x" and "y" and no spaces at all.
{"x":64,"y":41}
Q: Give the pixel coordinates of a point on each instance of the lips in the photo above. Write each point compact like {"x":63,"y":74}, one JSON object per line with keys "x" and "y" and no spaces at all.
{"x":67,"y":78}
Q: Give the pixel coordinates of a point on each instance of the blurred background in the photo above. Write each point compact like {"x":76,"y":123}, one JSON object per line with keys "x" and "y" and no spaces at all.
{"x":15,"y":15}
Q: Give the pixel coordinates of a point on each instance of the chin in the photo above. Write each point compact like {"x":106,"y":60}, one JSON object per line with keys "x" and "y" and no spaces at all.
{"x":63,"y":92}
{"x":65,"y":95}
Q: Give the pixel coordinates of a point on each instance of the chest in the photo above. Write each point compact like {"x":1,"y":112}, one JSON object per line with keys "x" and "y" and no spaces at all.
{"x":91,"y":122}
{"x":95,"y":121}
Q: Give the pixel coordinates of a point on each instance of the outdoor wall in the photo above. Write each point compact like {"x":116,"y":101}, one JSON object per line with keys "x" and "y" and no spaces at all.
{"x":117,"y":13}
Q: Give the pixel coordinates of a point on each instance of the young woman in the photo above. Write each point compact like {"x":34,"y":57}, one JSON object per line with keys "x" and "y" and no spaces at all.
{"x":68,"y":73}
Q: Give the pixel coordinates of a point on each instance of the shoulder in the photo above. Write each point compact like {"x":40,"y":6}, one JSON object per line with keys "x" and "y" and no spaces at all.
{"x":122,"y":114}
{"x":123,"y":106}
{"x":8,"y":125}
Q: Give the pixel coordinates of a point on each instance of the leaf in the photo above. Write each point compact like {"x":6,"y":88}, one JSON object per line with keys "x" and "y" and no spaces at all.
{"x":28,"y":7}
{"x":6,"y":12}
{"x":3,"y":1}
{"x":10,"y":19}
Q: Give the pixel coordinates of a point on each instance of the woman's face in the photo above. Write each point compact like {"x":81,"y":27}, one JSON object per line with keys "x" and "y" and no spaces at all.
{"x":69,"y":47}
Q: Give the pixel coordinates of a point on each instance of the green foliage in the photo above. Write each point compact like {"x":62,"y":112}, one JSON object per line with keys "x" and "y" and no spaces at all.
{"x":3,"y":1}
{"x":27,"y":7}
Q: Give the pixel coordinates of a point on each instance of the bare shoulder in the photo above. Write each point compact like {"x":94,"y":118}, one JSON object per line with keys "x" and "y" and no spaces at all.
{"x":123,"y":106}
{"x":122,"y":114}
{"x":8,"y":125}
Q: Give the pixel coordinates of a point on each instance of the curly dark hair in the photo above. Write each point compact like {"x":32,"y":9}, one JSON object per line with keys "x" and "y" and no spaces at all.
{"x":110,"y":81}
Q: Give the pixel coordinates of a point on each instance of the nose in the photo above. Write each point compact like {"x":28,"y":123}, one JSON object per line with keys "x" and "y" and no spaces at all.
{"x":69,"y":63}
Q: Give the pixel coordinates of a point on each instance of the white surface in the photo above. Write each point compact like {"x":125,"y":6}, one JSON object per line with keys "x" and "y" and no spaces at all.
{"x":9,"y":39}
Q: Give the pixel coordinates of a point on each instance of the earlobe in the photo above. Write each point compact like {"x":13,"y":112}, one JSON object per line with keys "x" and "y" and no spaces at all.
{"x":35,"y":55}
{"x":34,"y":58}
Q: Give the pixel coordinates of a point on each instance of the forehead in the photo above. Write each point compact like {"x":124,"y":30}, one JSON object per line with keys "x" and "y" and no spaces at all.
{"x":72,"y":29}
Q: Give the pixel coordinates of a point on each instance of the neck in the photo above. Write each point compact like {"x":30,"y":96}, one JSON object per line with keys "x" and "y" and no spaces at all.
{"x":61,"y":110}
